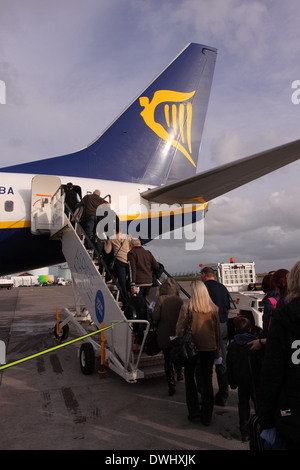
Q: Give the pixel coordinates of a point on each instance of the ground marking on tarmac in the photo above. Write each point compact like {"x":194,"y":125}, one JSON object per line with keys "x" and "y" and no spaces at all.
{"x":5,"y":366}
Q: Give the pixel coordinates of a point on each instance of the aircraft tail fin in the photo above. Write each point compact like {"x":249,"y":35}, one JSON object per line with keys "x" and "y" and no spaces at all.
{"x":156,"y":140}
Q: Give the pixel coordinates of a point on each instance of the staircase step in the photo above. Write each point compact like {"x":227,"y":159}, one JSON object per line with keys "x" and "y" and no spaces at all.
{"x":151,"y":372}
{"x":152,"y":366}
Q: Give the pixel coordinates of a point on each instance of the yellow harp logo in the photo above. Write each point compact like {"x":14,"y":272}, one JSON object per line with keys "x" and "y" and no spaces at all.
{"x":179,"y":117}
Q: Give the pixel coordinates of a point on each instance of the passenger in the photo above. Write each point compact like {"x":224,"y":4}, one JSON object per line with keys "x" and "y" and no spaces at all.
{"x":90,"y":203}
{"x":220,"y":297}
{"x":244,"y":368}
{"x":71,"y":198}
{"x":279,"y":404}
{"x":165,"y":314}
{"x":205,"y":329}
{"x":279,"y":283}
{"x":119,"y":244}
{"x":141,"y":262}
{"x":270,"y":301}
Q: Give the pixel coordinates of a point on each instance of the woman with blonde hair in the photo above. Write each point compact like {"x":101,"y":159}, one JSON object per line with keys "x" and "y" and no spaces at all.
{"x":293,"y":281}
{"x":201,"y":314}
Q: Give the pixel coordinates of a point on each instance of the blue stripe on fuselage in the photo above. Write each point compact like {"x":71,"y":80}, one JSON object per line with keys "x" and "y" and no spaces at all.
{"x":21,"y":250}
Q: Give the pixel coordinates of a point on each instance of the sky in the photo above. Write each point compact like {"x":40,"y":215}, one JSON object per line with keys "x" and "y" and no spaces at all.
{"x":71,"y":66}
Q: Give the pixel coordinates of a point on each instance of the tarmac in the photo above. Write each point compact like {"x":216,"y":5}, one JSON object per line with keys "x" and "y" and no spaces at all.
{"x":48,"y":404}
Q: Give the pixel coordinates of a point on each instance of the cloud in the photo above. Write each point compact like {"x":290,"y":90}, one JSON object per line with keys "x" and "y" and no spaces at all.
{"x":226,"y":148}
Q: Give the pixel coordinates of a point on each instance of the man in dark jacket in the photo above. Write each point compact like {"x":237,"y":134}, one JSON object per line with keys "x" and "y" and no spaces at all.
{"x":220,"y":297}
{"x":279,"y":404}
{"x":71,"y":198}
{"x":91,"y":202}
{"x":141,"y":262}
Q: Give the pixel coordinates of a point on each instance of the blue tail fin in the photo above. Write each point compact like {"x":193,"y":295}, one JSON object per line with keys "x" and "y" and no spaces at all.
{"x":156,"y":140}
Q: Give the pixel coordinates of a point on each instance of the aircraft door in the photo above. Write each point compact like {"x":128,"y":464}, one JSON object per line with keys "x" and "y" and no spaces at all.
{"x":45,"y":192}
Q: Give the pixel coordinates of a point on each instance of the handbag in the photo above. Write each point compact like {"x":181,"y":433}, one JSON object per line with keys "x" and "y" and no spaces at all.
{"x":112,"y":264}
{"x":184,"y":347}
{"x":151,"y":345}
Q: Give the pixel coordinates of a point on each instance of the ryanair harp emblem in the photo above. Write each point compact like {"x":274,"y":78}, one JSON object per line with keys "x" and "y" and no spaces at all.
{"x":179,"y":117}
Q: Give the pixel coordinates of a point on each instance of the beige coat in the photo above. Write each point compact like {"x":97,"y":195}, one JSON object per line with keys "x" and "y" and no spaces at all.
{"x":205,"y":329}
{"x":115,"y":243}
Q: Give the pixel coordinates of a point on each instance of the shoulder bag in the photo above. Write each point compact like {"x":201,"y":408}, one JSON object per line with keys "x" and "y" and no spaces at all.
{"x":151,"y":346}
{"x":184,"y":347}
{"x":113,"y":262}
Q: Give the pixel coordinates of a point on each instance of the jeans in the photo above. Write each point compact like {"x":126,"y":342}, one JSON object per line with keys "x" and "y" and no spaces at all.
{"x":169,"y":366}
{"x":121,"y":271}
{"x":90,"y":226}
{"x":221,"y":369}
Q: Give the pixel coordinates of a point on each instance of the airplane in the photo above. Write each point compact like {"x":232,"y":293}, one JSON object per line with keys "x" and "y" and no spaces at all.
{"x":146,"y":161}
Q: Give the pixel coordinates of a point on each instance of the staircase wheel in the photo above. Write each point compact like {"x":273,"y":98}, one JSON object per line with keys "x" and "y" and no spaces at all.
{"x":63,"y":332}
{"x":87,"y":358}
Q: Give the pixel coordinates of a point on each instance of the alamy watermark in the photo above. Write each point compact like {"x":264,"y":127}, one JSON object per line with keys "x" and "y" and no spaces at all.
{"x":2,"y":92}
{"x":153,"y":221}
{"x":296,"y":354}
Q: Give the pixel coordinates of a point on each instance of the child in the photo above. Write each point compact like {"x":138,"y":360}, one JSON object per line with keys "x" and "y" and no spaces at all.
{"x":243,"y":367}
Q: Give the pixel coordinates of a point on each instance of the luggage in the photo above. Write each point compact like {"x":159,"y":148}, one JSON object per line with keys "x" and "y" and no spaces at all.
{"x":255,"y":441}
{"x":151,"y":345}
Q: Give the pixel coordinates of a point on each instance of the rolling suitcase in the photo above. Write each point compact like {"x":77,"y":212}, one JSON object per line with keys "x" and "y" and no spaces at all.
{"x":255,"y":441}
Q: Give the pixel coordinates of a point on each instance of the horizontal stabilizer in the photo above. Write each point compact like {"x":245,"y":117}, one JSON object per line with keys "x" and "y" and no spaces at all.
{"x":210,"y":184}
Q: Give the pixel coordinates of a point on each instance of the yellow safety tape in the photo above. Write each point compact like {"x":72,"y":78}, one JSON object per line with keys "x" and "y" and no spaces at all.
{"x":5,"y":366}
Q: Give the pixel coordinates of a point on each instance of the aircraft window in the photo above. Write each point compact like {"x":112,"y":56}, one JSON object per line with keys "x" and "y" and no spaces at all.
{"x":9,"y":206}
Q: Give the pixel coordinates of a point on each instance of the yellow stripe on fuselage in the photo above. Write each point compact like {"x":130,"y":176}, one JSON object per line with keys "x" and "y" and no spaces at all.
{"x":164,"y":213}
{"x":15,"y":224}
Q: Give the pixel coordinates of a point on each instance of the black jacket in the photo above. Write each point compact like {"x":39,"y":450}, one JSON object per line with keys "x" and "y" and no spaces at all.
{"x":141,"y":262}
{"x":243,"y":364}
{"x":220,"y":297}
{"x":280,"y":380}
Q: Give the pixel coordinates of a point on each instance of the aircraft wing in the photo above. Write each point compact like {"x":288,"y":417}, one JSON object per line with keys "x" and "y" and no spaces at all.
{"x":210,"y":184}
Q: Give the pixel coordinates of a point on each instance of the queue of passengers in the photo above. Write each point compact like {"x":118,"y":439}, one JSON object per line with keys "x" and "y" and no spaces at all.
{"x":264,"y":367}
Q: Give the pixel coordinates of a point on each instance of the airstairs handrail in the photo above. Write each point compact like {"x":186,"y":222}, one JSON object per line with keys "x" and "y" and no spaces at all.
{"x":180,"y":287}
{"x":106,"y":267}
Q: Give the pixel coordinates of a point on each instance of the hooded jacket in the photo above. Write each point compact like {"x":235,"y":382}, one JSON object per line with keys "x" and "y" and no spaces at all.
{"x":240,"y":374}
{"x":279,"y":404}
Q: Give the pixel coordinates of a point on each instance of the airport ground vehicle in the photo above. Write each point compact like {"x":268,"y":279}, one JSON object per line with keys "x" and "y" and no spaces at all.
{"x":6,"y":283}
{"x":245,"y":292}
{"x":60,"y":281}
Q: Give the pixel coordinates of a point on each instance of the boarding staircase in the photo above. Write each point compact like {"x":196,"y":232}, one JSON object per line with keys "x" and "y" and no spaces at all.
{"x":92,"y":294}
